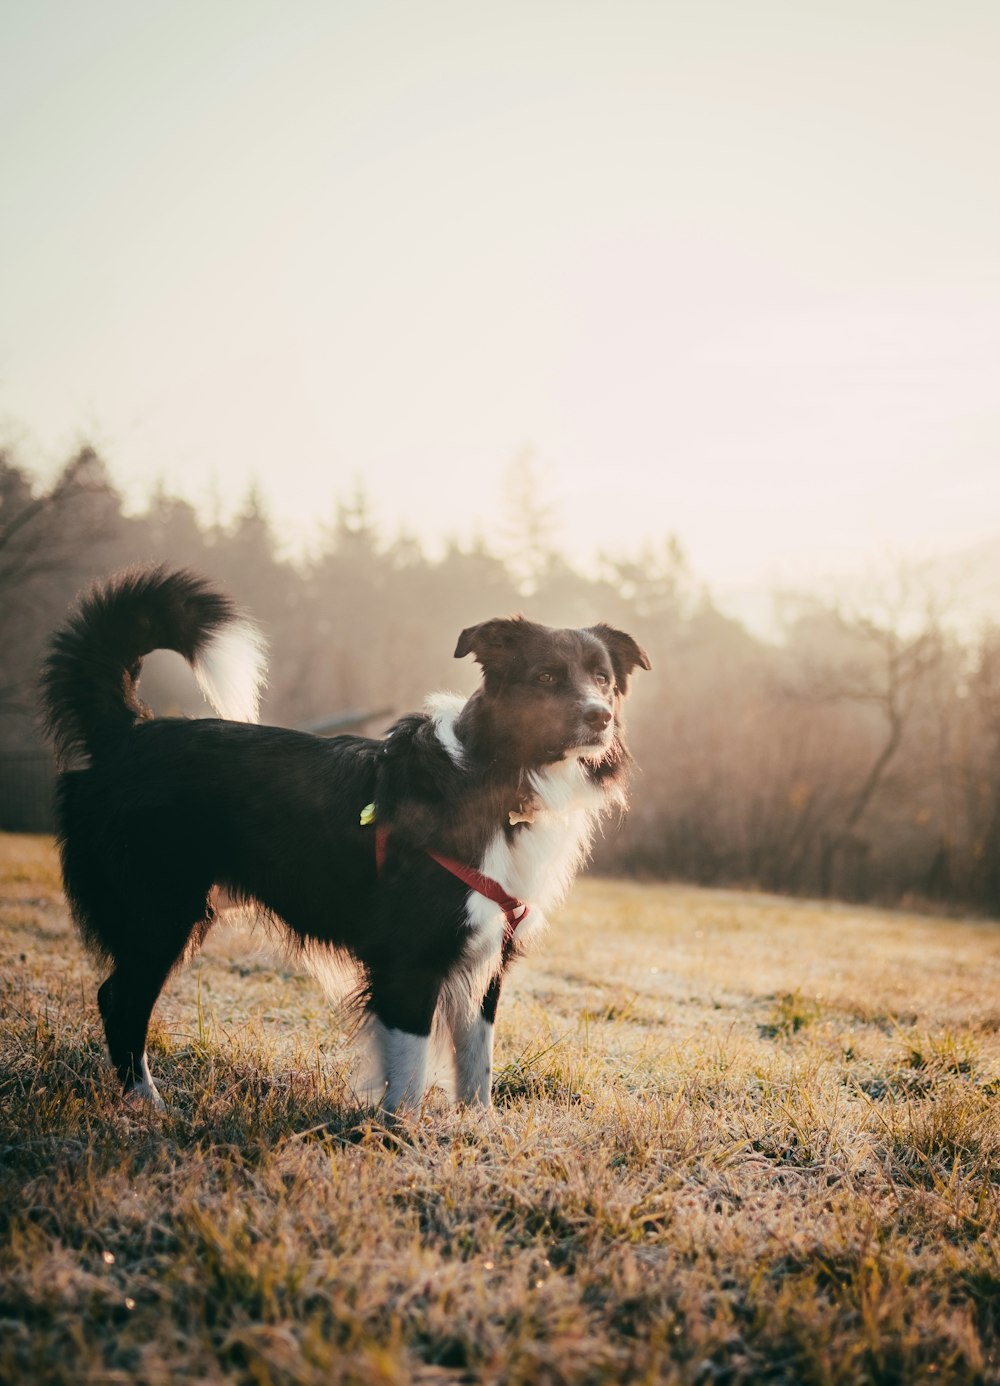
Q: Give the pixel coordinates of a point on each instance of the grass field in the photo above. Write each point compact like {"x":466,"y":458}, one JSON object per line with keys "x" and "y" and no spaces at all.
{"x":738,"y":1139}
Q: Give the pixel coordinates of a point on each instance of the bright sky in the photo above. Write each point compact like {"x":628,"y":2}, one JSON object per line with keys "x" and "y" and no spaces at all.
{"x":731,"y":268}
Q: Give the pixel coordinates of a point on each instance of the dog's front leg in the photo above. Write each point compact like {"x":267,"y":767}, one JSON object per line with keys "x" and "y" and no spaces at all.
{"x":404,"y":1065}
{"x":403,"y":1011}
{"x":472,"y":1035}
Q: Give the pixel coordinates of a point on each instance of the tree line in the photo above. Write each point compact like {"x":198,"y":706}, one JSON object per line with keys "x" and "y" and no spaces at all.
{"x":855,"y":758}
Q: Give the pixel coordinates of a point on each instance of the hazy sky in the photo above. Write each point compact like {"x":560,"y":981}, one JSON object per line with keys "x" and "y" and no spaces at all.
{"x":729,"y":269}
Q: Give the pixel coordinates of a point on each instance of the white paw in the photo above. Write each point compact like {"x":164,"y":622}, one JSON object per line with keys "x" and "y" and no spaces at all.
{"x":144,"y":1095}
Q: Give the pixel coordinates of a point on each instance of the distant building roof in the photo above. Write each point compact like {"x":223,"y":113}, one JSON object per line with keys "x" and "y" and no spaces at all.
{"x":335,"y":722}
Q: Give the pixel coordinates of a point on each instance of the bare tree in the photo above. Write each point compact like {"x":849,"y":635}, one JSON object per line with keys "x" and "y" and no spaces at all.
{"x":880,"y":661}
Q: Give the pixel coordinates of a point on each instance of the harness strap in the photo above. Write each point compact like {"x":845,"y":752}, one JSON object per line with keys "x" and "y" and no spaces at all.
{"x":515,"y":911}
{"x":381,"y":843}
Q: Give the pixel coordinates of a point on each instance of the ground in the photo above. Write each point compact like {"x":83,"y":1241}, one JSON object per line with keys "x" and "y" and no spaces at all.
{"x":737,"y":1139}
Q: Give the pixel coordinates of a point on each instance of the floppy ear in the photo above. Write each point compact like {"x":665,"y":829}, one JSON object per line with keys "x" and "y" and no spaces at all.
{"x":625,"y":653}
{"x":491,"y":642}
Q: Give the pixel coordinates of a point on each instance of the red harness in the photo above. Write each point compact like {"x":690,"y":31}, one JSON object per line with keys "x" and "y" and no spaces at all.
{"x":514,"y":910}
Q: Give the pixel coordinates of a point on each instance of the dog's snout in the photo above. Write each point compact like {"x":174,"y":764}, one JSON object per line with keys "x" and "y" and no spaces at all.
{"x":597,"y":715}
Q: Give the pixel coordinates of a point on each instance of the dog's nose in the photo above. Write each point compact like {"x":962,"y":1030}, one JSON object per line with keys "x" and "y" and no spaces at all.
{"x":596,"y":715}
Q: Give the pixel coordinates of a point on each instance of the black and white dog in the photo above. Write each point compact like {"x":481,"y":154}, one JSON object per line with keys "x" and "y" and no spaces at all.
{"x":428,"y":856}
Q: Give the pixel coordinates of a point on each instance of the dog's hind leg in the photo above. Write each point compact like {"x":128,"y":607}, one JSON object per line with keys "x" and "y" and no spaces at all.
{"x":126,"y":1000}
{"x":125,"y":1007}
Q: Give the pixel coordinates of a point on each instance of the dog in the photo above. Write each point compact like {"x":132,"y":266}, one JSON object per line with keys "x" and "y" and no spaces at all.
{"x":428,"y":856}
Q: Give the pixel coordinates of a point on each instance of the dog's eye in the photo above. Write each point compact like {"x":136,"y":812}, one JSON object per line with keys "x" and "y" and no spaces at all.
{"x":601,"y":677}
{"x":546,"y":676}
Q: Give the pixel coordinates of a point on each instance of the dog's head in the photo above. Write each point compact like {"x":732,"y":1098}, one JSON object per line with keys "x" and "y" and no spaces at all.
{"x":547,"y":695}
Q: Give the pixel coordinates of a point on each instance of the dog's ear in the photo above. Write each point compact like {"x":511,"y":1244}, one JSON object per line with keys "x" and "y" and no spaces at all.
{"x":491,"y":642}
{"x":625,"y":653}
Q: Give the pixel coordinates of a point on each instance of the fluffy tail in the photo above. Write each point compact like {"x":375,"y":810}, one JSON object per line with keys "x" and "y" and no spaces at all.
{"x":89,"y":679}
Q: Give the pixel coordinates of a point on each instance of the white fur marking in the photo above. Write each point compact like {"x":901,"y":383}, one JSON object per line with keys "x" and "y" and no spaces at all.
{"x":404,"y":1062}
{"x":473,"y":1059}
{"x":443,"y":710}
{"x":539,"y":863}
{"x":230,"y":671}
{"x":145,"y":1089}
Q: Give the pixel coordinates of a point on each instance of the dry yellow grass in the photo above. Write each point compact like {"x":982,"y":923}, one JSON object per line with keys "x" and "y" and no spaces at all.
{"x":738,"y":1139}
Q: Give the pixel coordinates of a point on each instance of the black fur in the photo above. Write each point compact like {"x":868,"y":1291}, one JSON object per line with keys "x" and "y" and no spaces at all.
{"x":152,"y":814}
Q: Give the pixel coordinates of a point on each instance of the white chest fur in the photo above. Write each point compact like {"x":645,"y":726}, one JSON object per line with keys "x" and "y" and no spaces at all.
{"x":536,"y":862}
